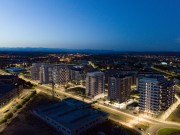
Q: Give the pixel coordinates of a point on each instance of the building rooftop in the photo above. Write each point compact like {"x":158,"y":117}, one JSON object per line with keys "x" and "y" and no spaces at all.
{"x":96,"y":73}
{"x":5,"y":88}
{"x":15,"y":69}
{"x":7,"y":76}
{"x":157,"y":79}
{"x":120,"y":76}
{"x":70,"y":112}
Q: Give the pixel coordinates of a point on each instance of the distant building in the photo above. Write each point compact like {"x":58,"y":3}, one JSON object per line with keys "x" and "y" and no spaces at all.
{"x":15,"y":70}
{"x":84,"y":62}
{"x":95,"y":84}
{"x":157,"y":94}
{"x":163,"y":63}
{"x":119,"y":88}
{"x":70,"y":116}
{"x":35,"y":71}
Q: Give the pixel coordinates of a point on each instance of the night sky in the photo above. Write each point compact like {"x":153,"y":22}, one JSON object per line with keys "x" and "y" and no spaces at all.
{"x":124,"y":25}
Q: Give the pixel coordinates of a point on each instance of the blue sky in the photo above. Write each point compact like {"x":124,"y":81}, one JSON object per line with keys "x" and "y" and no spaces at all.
{"x":125,"y":25}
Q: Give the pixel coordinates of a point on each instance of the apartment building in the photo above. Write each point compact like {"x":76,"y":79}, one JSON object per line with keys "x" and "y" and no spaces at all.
{"x":77,"y":74}
{"x":35,"y":71}
{"x":61,"y":74}
{"x":95,"y":82}
{"x":46,"y":73}
{"x":9,"y":88}
{"x":157,"y":94}
{"x":119,"y":88}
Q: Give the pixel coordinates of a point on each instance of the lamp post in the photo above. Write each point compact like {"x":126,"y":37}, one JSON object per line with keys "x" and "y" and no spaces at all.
{"x":52,"y":90}
{"x":17,"y":89}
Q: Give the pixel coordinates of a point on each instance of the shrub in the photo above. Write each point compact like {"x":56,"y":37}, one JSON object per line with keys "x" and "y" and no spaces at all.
{"x":28,"y":98}
{"x":8,"y":116}
{"x":23,"y":102}
{"x":18,"y":106}
{"x":3,"y":121}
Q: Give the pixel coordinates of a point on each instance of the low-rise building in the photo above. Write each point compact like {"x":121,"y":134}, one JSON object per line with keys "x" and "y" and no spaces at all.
{"x":9,"y":88}
{"x":15,"y":70}
{"x":70,"y":116}
{"x":9,"y":78}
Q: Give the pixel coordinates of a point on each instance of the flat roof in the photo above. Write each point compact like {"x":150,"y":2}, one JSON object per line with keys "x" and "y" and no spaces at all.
{"x":96,"y":73}
{"x":70,"y":112}
{"x":15,"y":69}
{"x":5,"y":88}
{"x":8,"y":76}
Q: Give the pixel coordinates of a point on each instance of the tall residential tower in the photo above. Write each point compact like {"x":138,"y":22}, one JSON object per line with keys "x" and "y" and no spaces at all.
{"x":35,"y":71}
{"x":95,"y":84}
{"x":119,"y":88}
{"x":157,"y":94}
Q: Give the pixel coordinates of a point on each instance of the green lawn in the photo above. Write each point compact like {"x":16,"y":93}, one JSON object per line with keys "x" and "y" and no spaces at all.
{"x":168,"y":131}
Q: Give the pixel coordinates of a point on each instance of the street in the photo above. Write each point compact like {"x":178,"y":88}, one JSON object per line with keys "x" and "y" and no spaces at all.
{"x":123,"y":118}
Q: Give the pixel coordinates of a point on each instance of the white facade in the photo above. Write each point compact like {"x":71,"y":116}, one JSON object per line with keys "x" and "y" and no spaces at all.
{"x":156,"y":94}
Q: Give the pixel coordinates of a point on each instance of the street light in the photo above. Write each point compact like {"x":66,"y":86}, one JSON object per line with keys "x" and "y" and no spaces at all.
{"x":52,"y":90}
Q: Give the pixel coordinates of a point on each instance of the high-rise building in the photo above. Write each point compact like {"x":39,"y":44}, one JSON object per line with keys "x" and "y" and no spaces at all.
{"x":77,"y":74}
{"x":46,"y":73}
{"x":35,"y":71}
{"x":119,"y":88}
{"x":61,"y":74}
{"x":115,"y":72}
{"x":95,"y":84}
{"x":157,"y":94}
